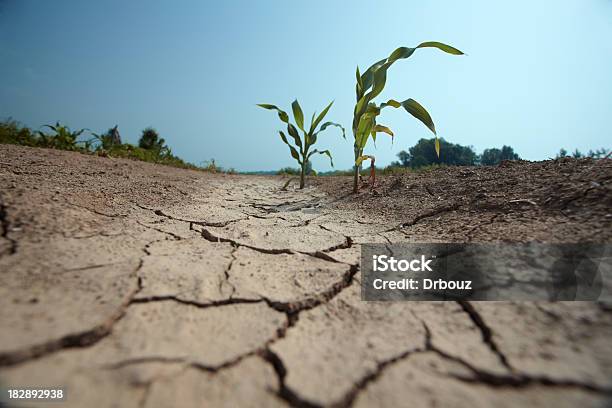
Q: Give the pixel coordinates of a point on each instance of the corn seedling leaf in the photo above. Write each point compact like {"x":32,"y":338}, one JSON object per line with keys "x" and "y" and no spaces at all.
{"x":368,"y":77}
{"x":328,"y":124}
{"x":361,"y":104}
{"x":380,"y":80}
{"x":281,"y":114}
{"x":366,"y":123}
{"x":295,"y":135}
{"x":441,"y":46}
{"x":298,"y":114}
{"x":360,"y":134}
{"x":360,"y":159}
{"x":312,"y":139}
{"x":319,"y":118}
{"x":401,"y":53}
{"x":283,"y":137}
{"x":325,"y":152}
{"x":415,"y":109}
{"x":359,"y":85}
{"x":390,"y":102}
{"x":372,"y":109}
{"x":437,"y":145}
{"x":294,"y":152}
{"x":383,"y":129}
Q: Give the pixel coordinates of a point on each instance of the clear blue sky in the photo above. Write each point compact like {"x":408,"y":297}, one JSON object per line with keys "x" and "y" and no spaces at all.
{"x":538,"y":75}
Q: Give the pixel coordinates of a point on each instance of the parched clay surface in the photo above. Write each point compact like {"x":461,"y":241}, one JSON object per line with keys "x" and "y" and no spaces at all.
{"x":131,"y":284}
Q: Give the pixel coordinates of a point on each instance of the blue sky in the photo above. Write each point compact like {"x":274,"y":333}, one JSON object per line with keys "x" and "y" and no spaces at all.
{"x":536,"y":77}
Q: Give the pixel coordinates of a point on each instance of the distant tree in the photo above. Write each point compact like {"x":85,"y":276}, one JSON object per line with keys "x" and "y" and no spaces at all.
{"x":577,"y":154}
{"x":562,"y":153}
{"x":404,"y":159}
{"x":490,"y":157}
{"x":508,"y":153}
{"x":424,"y":154}
{"x":150,"y":140}
{"x":494,"y":156}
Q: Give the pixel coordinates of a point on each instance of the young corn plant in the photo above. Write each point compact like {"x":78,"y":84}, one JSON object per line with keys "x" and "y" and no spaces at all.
{"x":369,"y":85}
{"x":301,"y":151}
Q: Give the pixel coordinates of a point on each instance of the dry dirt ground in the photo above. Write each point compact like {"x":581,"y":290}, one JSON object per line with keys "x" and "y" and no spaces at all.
{"x":131,"y":284}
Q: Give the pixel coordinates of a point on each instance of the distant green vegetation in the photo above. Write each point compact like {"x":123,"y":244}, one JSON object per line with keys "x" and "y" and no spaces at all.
{"x":493,"y":156}
{"x":292,"y":171}
{"x":422,"y":154}
{"x":577,"y":154}
{"x":151,"y":147}
{"x":422,"y":157}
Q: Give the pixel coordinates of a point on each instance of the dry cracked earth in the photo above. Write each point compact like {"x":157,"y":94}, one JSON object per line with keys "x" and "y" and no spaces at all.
{"x":135,"y":285}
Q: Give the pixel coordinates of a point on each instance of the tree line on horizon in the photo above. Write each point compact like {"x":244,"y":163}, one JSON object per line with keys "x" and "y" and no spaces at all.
{"x":452,"y":154}
{"x":422,"y":154}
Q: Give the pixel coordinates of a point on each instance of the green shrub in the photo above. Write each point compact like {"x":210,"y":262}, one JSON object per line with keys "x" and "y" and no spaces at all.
{"x":12,"y":132}
{"x":150,"y":140}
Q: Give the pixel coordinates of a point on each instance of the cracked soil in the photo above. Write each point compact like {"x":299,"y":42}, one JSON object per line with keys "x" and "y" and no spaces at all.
{"x":131,"y":284}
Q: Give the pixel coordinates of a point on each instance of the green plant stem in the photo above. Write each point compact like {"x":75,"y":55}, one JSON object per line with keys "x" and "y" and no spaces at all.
{"x":356,"y":171}
{"x":302,"y":175}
